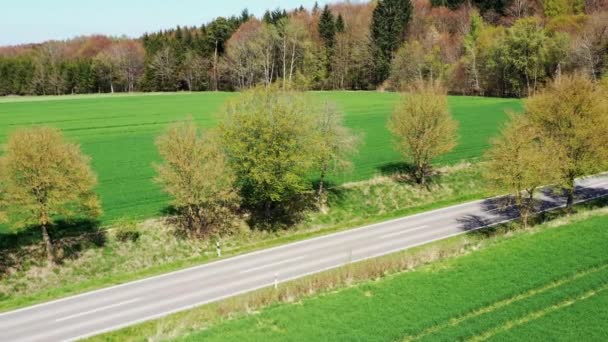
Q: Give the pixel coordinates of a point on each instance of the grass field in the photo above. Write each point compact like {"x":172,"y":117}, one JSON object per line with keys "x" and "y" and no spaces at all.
{"x":119,"y":133}
{"x":546,"y":284}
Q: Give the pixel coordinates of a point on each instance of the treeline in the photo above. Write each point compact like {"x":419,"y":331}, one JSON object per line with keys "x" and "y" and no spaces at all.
{"x":494,"y":48}
{"x":255,"y":169}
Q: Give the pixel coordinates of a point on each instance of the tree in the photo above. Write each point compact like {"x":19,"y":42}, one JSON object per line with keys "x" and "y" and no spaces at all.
{"x":572,"y":115}
{"x":164,"y":66}
{"x":340,"y":26}
{"x":47,"y":178}
{"x":195,"y":173}
{"x":423,"y":128}
{"x":194,"y":70}
{"x":327,"y":31}
{"x":336,"y":145}
{"x":389,"y":23}
{"x":519,"y":161}
{"x":269,"y":137}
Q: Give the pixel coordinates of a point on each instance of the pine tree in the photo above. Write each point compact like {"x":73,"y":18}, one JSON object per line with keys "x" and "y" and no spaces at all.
{"x":340,"y":27}
{"x":389,"y":22}
{"x":327,"y":28}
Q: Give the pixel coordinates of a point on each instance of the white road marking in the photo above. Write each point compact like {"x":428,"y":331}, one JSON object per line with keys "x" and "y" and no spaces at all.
{"x":97,"y":310}
{"x":386,"y":236}
{"x":271,"y":265}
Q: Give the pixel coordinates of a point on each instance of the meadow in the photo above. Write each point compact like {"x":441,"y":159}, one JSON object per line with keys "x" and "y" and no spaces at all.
{"x":118,"y":132}
{"x":547,"y":284}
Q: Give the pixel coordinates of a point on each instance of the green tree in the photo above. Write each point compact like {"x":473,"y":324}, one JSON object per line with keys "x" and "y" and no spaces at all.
{"x":389,"y":22}
{"x":336,"y":144}
{"x":46,"y":179}
{"x":269,"y":136}
{"x":519,"y":162}
{"x":423,"y":128}
{"x":196,"y":174}
{"x":340,"y":26}
{"x":572,"y":115}
{"x":327,"y":31}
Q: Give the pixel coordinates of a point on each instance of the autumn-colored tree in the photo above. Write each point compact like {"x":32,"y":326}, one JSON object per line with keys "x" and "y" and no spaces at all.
{"x":572,"y":115}
{"x":519,"y":162}
{"x":423,"y":128}
{"x":195,"y":173}
{"x":45,"y":179}
{"x":269,"y":135}
{"x":336,"y":145}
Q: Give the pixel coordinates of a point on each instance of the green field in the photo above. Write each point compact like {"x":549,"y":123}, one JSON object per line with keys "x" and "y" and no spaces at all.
{"x":549,"y":284}
{"x":119,"y":132}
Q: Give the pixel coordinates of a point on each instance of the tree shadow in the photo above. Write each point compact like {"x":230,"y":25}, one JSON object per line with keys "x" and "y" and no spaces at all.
{"x":70,"y":239}
{"x":501,"y":213}
{"x":404,"y":173}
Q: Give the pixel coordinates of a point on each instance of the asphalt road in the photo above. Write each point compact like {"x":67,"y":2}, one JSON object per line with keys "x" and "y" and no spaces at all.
{"x":111,"y":308}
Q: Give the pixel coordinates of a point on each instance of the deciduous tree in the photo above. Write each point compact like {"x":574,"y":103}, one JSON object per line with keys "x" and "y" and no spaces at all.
{"x":336,"y":145}
{"x":520,"y":161}
{"x":47,"y":178}
{"x":423,"y":128}
{"x":196,"y":174}
{"x":572,"y":115}
{"x":269,"y":137}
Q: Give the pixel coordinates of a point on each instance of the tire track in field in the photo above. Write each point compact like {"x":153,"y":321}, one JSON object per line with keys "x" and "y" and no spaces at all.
{"x":453,"y":322}
{"x":538,"y":314}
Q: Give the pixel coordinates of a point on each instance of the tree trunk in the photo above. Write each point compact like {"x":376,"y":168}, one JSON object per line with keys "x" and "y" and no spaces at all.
{"x":50,"y":254}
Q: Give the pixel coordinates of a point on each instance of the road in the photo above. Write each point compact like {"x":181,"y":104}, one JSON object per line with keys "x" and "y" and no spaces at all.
{"x":115,"y":307}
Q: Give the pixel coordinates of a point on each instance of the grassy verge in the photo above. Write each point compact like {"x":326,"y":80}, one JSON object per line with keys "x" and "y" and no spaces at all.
{"x":504,"y":278}
{"x":101,"y":258}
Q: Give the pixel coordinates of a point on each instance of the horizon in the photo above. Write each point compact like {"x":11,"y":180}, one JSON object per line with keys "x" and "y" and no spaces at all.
{"x":31,"y":22}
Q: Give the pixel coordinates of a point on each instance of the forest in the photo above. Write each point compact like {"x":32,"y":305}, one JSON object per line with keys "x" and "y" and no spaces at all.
{"x":506,"y":48}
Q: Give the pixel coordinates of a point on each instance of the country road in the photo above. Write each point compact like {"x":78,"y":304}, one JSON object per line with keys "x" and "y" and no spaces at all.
{"x":95,"y":312}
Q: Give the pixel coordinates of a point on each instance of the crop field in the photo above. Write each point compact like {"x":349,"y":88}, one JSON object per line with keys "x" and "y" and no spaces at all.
{"x":550,"y":284}
{"x":118,"y":132}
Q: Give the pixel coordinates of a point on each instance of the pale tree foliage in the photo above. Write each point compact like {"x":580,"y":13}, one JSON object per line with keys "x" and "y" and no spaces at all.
{"x":520,"y":161}
{"x":423,"y":127}
{"x":48,"y":78}
{"x":572,"y":115}
{"x":591,"y":46}
{"x":194,"y":70}
{"x":252,"y":53}
{"x":336,"y":145}
{"x":164,"y":67}
{"x":245,"y":65}
{"x":294,"y":43}
{"x":128,"y":59}
{"x":196,"y":174}
{"x":45,"y":179}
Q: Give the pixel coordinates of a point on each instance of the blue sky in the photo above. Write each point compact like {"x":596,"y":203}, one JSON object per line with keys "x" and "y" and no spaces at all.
{"x":31,"y":21}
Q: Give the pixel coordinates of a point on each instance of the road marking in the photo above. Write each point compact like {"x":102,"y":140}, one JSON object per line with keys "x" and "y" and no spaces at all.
{"x":386,"y":236}
{"x":271,"y":265}
{"x":97,"y":310}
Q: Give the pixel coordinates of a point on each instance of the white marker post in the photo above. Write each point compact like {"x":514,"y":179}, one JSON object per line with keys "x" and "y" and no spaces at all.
{"x":276,"y":281}
{"x":218,"y":248}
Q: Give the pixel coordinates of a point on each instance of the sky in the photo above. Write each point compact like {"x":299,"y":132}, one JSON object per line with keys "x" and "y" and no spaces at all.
{"x":34,"y":21}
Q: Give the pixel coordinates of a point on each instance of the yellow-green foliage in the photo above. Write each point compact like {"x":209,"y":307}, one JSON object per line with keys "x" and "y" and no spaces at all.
{"x":46,"y":179}
{"x":269,"y":135}
{"x":519,"y":161}
{"x":572,"y":116}
{"x":554,"y":8}
{"x":423,"y":128}
{"x":195,"y":173}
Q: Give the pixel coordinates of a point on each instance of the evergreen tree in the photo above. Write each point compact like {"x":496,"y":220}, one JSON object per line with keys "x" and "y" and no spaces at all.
{"x":327,"y":28}
{"x":340,"y":27}
{"x":389,"y":21}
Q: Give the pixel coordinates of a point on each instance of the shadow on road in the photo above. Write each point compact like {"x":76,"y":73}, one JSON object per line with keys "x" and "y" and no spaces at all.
{"x":502,"y":209}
